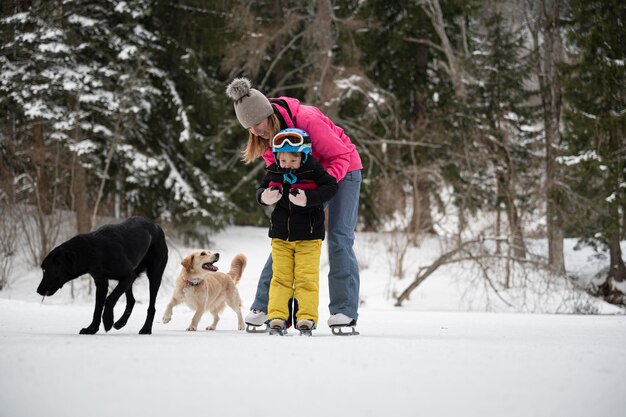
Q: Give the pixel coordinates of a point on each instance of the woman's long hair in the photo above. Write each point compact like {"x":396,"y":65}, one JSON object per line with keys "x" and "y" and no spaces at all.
{"x":256,"y":146}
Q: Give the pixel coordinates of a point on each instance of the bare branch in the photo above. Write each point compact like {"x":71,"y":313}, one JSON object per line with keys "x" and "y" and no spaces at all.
{"x":425,"y":42}
{"x":278,"y":58}
{"x":260,"y":166}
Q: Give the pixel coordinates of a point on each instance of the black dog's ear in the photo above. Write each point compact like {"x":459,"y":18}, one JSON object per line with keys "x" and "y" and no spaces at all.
{"x":50,"y":259}
{"x":68,"y":259}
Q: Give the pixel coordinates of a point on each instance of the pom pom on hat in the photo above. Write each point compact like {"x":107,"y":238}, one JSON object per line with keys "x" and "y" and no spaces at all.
{"x":238,"y":88}
{"x":251,"y":106}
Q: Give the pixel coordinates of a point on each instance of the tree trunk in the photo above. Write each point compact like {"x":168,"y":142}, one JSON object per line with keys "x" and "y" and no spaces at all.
{"x":462,"y":222}
{"x":421,"y":217}
{"x":81,"y":206}
{"x":549,"y":47}
{"x":422,"y":221}
{"x":80,"y":196}
{"x":617,"y":167}
{"x":506,"y":177}
{"x":624,"y":221}
{"x":498,"y":219}
{"x":515,"y":227}
{"x":432,"y":9}
{"x":551,"y":55}
{"x":519,"y":247}
{"x":40,"y":165}
{"x":325,"y":90}
{"x":617,"y":269}
{"x":7,"y":179}
{"x":554,"y":222}
{"x":79,"y":189}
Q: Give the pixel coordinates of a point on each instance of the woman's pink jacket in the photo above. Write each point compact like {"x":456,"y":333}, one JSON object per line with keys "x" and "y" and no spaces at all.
{"x":330,"y":145}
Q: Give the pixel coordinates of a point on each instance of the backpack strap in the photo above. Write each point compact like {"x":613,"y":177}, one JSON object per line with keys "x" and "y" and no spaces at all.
{"x":282,"y":103}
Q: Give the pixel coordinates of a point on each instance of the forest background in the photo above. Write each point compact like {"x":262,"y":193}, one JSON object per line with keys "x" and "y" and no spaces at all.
{"x":508,"y":117}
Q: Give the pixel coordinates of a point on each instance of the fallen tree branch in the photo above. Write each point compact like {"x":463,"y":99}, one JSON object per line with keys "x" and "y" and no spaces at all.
{"x":446,"y":258}
{"x":425,"y":273}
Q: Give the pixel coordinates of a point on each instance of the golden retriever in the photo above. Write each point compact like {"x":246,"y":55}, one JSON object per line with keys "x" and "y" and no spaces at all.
{"x":203,"y":288}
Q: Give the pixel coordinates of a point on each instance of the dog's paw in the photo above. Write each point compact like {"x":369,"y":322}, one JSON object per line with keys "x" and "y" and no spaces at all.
{"x":89,"y":330}
{"x":241,"y":326}
{"x":191,"y":328}
{"x":210,"y":327}
{"x":166,"y":319}
{"x":119,"y":324}
{"x":107,"y":319}
{"x":145,"y":330}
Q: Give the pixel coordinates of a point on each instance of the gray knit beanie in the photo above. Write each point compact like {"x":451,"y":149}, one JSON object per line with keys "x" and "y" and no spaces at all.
{"x":251,"y":106}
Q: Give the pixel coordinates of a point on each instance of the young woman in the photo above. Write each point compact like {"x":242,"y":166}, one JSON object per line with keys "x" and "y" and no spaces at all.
{"x":263,"y":118}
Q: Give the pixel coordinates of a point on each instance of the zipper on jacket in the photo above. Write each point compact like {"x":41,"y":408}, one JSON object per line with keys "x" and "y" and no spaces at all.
{"x":288,"y":222}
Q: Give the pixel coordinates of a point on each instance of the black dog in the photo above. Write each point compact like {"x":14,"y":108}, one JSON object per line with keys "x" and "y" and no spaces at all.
{"x":120,"y":252}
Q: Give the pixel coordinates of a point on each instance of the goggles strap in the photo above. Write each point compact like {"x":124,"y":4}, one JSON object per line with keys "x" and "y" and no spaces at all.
{"x":290,"y":177}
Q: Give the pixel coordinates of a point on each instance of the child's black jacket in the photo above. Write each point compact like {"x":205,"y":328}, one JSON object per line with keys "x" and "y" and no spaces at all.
{"x":289,"y":221}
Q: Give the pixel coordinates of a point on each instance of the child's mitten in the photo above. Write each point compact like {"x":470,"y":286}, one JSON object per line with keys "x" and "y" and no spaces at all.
{"x":297,"y":197}
{"x":271,"y":196}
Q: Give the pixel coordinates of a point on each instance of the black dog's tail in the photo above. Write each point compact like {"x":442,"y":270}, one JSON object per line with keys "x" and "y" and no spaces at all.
{"x":237,"y":266}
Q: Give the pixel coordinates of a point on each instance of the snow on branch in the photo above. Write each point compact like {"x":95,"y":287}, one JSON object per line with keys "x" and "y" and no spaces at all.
{"x":181,"y":113}
{"x":590,"y":155}
{"x":183,"y":192}
{"x":16,"y":18}
{"x":82,"y":21}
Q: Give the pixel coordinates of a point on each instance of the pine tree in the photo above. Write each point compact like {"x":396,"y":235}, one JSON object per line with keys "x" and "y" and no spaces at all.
{"x":544,"y":19}
{"x":81,"y":81}
{"x":397,"y":132}
{"x":35,"y":63}
{"x":500,"y":99}
{"x":596,"y":128}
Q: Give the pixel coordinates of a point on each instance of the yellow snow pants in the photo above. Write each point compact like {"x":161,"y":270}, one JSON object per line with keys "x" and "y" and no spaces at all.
{"x":295,"y":274}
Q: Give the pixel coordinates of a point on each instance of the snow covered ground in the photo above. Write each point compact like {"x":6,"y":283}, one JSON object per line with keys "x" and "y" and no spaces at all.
{"x":431,"y":357}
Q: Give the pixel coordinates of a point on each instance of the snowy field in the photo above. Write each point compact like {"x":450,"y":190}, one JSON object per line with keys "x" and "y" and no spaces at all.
{"x":427,"y":358}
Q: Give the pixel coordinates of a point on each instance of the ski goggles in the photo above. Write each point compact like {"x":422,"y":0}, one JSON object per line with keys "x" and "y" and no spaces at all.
{"x":290,"y":137}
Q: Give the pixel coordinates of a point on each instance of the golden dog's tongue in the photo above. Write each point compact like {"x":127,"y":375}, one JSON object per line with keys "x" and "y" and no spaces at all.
{"x":209,"y":267}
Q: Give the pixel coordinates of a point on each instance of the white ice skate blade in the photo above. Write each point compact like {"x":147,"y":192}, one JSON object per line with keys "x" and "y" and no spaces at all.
{"x":339,"y":331}
{"x":250,"y":328}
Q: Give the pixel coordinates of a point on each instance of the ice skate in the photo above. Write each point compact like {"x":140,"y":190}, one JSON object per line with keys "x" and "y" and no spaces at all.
{"x":340,"y":323}
{"x":305,"y":327}
{"x":277,"y":327}
{"x":255,"y":322}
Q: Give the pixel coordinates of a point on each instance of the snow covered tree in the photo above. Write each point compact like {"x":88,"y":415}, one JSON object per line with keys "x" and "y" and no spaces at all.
{"x":114,"y":107}
{"x":34,"y":58}
{"x":82,"y":77}
{"x":595,"y":140}
{"x":32,"y":50}
{"x":500,"y":99}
